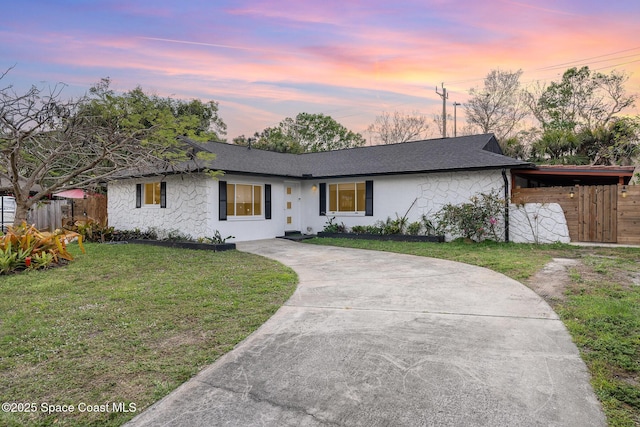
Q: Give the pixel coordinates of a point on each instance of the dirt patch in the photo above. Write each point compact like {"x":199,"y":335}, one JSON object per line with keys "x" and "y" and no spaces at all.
{"x":181,"y":339}
{"x":551,"y":282}
{"x":567,"y":274}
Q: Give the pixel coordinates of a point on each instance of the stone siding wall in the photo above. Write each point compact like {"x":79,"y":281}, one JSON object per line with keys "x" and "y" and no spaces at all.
{"x":188,"y":205}
{"x":538,"y":223}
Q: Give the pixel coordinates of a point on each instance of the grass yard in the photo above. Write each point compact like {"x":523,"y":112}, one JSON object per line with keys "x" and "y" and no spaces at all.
{"x":600,"y":305}
{"x":125,"y":325}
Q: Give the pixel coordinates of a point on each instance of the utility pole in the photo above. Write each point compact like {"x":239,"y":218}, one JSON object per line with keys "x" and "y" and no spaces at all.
{"x":455,"y":119}
{"x":444,"y":97}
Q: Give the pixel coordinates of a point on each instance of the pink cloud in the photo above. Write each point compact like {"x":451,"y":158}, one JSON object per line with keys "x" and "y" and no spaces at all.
{"x":347,"y":46}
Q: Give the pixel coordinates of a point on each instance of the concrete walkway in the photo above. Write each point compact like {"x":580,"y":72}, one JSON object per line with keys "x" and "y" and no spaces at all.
{"x":378,"y":339}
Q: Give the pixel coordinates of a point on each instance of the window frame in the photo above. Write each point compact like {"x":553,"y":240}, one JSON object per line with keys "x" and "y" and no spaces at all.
{"x":157,"y":188}
{"x":141,"y":199}
{"x":359,"y":197}
{"x":232,"y":202}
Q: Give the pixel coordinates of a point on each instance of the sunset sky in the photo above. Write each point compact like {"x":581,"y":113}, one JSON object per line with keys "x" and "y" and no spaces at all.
{"x":264,"y":60}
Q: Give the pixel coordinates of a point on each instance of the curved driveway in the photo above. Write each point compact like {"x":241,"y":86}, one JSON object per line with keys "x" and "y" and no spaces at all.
{"x":379,"y":339}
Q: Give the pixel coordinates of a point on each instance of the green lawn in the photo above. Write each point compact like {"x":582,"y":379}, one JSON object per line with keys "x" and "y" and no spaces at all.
{"x":600,"y":306}
{"x":126,"y":324}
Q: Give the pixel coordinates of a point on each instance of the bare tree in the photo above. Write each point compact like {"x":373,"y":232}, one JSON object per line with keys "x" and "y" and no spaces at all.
{"x":47,"y":143}
{"x":391,"y":128}
{"x":436,"y":119}
{"x":581,"y":100}
{"x":499,"y":106}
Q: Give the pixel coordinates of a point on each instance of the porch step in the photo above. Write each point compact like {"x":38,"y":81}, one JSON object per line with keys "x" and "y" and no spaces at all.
{"x":296,"y":236}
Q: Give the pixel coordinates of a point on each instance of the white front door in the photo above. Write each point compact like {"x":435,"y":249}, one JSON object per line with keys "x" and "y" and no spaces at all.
{"x":291,"y":206}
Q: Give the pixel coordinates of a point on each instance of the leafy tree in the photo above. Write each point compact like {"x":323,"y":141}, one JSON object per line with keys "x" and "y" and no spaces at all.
{"x":557,"y":146}
{"x":499,"y":106}
{"x":50,"y":143}
{"x":272,"y":139}
{"x":612,"y":144}
{"x":391,"y":128}
{"x":513,"y":147}
{"x":581,"y":100}
{"x":306,"y":133}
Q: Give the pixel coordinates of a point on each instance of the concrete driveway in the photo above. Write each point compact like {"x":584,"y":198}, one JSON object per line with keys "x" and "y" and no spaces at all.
{"x":379,"y":339}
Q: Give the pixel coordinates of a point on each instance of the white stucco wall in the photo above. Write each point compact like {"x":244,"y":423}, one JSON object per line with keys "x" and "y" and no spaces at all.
{"x":187,"y":210}
{"x":192,"y":208}
{"x":538,"y":223}
{"x":244,"y":229}
{"x":394,"y":195}
{"x":192,"y":205}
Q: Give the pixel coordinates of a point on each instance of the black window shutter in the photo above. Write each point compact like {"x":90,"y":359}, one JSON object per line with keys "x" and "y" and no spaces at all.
{"x":368,"y":198}
{"x":323,"y":199}
{"x":138,"y":195}
{"x":222,"y":200}
{"x":267,"y":201}
{"x":163,"y":194}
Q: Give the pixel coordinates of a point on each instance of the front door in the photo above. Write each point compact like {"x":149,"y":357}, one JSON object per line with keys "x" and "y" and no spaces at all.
{"x":291,"y":206}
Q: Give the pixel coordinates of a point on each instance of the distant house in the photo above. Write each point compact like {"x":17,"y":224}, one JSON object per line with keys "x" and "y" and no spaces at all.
{"x":264,"y":194}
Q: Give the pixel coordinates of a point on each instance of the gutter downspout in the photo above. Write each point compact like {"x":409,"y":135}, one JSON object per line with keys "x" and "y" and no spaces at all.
{"x":506,"y":205}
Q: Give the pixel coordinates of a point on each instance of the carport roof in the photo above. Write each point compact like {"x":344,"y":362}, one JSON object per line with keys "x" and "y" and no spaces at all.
{"x":569,"y":175}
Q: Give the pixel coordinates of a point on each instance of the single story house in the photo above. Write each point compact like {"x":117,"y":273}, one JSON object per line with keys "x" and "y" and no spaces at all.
{"x":264,"y":194}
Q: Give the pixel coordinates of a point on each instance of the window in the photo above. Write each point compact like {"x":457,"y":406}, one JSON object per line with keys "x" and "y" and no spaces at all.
{"x":347,"y":197}
{"x":244,"y":200}
{"x":152,"y":193}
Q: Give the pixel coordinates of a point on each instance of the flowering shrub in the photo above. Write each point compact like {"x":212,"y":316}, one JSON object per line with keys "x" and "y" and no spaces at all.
{"x":476,"y":220}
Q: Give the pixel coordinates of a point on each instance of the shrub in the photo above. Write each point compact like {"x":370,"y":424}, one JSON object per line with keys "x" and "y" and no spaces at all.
{"x":176,"y":236}
{"x":359,"y":229}
{"x":414,"y":228}
{"x":25,"y":247}
{"x":368,"y":229}
{"x":476,"y":220}
{"x":135,"y":234}
{"x":429,"y":227}
{"x":331,"y":227}
{"x":393,"y":226}
{"x":217,"y":239}
{"x":93,"y":231}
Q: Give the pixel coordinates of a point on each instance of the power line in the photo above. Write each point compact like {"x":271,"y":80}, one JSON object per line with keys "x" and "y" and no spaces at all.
{"x":561,"y":65}
{"x":589,"y":59}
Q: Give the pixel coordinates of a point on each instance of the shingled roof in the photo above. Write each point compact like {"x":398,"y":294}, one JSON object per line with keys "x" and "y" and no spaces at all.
{"x":436,"y":155}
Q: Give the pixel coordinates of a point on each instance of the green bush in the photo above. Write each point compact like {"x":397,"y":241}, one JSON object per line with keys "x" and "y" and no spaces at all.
{"x":476,"y":220}
{"x":135,"y":234}
{"x":359,"y":229}
{"x":414,"y":228}
{"x":216,"y":239}
{"x":93,"y":231}
{"x":332,"y":227}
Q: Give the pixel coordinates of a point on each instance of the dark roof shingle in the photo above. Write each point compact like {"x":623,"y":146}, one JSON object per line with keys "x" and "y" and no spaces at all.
{"x":450,"y":154}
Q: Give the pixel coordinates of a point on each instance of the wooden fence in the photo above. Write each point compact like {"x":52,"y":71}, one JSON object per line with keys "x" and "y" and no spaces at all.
{"x":52,"y":214}
{"x":47,"y":215}
{"x":629,"y":216}
{"x":596,"y":213}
